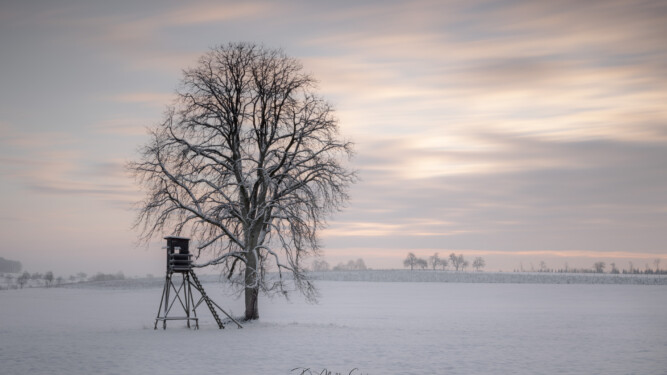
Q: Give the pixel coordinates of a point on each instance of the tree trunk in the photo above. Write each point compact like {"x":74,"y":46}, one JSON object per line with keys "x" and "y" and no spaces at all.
{"x":251,"y":310}
{"x":251,"y":288}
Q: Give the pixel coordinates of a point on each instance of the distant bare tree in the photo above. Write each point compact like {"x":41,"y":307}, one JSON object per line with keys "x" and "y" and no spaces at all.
{"x":434,"y":260}
{"x":478,"y":263}
{"x":320,"y":265}
{"x":657,"y":265}
{"x":543,"y":266}
{"x":457,"y":261}
{"x":351,"y":265}
{"x":48,"y":278}
{"x":249,"y":161}
{"x":23,"y":279}
{"x":453,"y":259}
{"x":360,"y":265}
{"x":443,"y":263}
{"x":410,"y":261}
{"x":422,"y":263}
{"x":631,"y":267}
{"x":614,"y":270}
{"x":599,"y":267}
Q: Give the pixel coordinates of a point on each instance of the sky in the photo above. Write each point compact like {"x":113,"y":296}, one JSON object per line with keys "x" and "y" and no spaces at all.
{"x":518,"y":131}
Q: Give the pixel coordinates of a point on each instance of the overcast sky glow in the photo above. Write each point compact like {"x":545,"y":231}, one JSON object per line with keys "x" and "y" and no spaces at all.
{"x":516,"y":130}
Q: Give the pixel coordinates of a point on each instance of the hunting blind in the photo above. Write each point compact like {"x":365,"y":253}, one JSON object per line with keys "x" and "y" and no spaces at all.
{"x":180,"y":289}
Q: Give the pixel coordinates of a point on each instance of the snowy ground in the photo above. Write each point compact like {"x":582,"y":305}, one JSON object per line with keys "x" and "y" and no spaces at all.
{"x":378,"y":327}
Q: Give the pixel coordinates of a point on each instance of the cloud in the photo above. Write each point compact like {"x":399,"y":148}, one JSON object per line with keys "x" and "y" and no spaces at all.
{"x":155,"y":99}
{"x":66,"y":174}
{"x":158,"y":37}
{"x":408,"y":227}
{"x":54,"y":163}
{"x":78,"y":189}
{"x":560,"y":71}
{"x":129,"y":126}
{"x":596,"y":196}
{"x":148,"y":27}
{"x":16,"y":139}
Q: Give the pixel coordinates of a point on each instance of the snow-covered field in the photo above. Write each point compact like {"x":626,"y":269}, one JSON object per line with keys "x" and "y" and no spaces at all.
{"x":377,"y":327}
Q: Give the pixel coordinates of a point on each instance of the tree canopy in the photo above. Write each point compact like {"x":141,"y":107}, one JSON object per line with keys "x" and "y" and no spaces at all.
{"x":248,"y":161}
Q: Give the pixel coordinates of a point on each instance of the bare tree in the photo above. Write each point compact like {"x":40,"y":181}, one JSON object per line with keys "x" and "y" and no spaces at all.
{"x":320,"y":265}
{"x":434,"y":260}
{"x":23,"y":279}
{"x":614,"y":270}
{"x":599,"y":267}
{"x":454,"y":261}
{"x":422,"y":263}
{"x":36,"y":276}
{"x":458,"y":262}
{"x":48,"y":278}
{"x":543,"y":266}
{"x":657,"y":265}
{"x":352,"y":265}
{"x":360,"y":265}
{"x":248,"y":160}
{"x":478,"y":263}
{"x":410,"y":261}
{"x":443,"y":263}
{"x":340,"y":267}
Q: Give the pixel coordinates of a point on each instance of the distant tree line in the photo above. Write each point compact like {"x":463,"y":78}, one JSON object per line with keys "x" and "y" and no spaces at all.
{"x":598,"y":267}
{"x":48,"y":279}
{"x":107,"y":276}
{"x":320,"y":265}
{"x":33,"y":279}
{"x":10,"y":266}
{"x":457,"y":262}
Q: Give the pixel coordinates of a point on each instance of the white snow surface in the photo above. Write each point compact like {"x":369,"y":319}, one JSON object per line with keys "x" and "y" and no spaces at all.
{"x":377,"y":327}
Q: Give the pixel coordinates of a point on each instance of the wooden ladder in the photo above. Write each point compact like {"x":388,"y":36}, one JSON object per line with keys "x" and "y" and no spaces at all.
{"x":205,"y":298}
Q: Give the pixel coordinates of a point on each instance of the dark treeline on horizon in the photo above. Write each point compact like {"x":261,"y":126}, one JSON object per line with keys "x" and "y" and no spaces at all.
{"x":16,"y":280}
{"x":10,"y":266}
{"x":598,"y":267}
